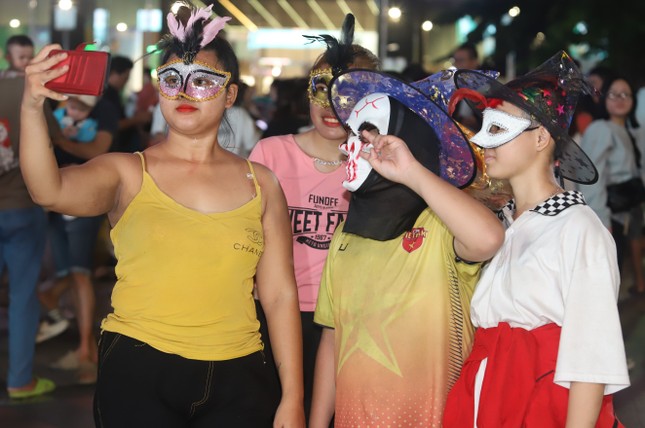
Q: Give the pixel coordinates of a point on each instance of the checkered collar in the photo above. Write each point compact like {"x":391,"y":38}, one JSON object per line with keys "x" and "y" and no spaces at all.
{"x":550,"y":207}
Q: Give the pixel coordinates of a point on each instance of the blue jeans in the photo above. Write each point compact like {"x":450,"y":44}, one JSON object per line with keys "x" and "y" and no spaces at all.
{"x":22,"y":244}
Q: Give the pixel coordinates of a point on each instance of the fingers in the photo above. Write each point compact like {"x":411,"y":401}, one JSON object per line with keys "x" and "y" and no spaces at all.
{"x":44,"y":52}
{"x":380,"y":141}
{"x":41,"y":62}
{"x":370,"y":137}
{"x":52,"y":74}
{"x":40,"y":71}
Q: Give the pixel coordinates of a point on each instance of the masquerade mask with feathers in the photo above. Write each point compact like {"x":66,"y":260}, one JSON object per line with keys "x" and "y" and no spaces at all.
{"x":185,"y":40}
{"x":184,"y":76}
{"x":196,"y":81}
{"x":339,"y":55}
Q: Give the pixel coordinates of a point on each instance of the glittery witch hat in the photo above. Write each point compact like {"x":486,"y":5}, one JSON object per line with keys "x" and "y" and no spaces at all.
{"x":549,"y":93}
{"x":456,"y":158}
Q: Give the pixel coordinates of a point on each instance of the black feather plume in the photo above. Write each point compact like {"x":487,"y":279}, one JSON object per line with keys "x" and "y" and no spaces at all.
{"x":347,"y":30}
{"x":339,"y":54}
{"x":186,"y":50}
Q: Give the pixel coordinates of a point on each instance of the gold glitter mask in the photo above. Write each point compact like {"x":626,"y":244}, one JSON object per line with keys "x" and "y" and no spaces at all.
{"x":319,"y":86}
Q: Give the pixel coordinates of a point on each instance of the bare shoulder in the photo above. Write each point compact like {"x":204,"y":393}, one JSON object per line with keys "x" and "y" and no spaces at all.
{"x":266,"y":177}
{"x":124,"y":164}
{"x":273,"y":196}
{"x":114,"y":160}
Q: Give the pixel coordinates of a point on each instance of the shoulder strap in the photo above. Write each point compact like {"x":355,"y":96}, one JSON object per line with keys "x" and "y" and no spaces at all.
{"x":143,"y":160}
{"x":255,"y":179}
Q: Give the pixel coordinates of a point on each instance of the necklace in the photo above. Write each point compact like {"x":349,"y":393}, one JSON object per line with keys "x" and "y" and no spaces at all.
{"x":327,"y":163}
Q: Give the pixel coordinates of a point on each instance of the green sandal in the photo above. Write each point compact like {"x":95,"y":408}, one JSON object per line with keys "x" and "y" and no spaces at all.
{"x":43,"y":386}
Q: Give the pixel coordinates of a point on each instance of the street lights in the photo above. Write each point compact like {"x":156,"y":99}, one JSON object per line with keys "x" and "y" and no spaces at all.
{"x":394,"y":13}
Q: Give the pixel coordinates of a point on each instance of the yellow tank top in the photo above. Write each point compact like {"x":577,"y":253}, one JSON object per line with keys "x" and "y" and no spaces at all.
{"x":184,"y":278}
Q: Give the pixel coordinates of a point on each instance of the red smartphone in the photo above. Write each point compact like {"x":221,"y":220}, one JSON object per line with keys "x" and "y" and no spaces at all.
{"x":87,"y":74}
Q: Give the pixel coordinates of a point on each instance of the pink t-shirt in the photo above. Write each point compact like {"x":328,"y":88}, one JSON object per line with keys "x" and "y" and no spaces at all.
{"x":317,"y":204}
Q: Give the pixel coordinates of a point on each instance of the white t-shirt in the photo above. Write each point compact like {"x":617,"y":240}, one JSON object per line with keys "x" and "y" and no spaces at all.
{"x":158,"y":122}
{"x":237,"y":132}
{"x":640,"y":106}
{"x":558,"y":265}
{"x":610,"y":149}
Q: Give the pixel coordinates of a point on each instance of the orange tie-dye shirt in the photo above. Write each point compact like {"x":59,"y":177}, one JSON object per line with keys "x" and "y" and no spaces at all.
{"x":400,"y":310}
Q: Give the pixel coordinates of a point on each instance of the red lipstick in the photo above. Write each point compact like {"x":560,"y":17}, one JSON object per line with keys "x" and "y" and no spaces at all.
{"x":331,"y":121}
{"x":185,"y":108}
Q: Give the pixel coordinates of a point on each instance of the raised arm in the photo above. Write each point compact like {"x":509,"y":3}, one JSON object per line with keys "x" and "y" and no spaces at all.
{"x":478,"y":233}
{"x":278,"y":294}
{"x":85,"y":190}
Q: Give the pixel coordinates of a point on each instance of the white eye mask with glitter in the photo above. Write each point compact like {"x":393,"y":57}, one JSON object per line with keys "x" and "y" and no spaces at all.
{"x":499,"y":128}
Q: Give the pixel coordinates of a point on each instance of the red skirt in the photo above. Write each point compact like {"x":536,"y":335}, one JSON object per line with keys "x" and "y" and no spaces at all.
{"x":518,"y":389}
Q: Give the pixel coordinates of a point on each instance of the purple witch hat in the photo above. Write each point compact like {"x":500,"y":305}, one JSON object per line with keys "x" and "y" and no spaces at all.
{"x":456,"y":160}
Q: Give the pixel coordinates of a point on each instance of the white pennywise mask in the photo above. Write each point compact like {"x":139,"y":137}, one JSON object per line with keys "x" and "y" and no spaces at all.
{"x":370,"y":112}
{"x":499,"y":128}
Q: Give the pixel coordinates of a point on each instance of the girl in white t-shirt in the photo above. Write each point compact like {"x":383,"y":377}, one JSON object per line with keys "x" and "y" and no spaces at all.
{"x":548,"y":350}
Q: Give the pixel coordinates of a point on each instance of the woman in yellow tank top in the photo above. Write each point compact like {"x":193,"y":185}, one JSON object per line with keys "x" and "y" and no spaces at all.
{"x":193,"y":226}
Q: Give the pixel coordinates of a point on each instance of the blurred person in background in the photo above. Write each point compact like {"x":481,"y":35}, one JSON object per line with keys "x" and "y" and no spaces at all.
{"x":146,"y":100}
{"x":127,"y":139}
{"x":19,"y":50}
{"x":466,"y":57}
{"x":239,"y":132}
{"x":23,"y":228}
{"x":75,"y":123}
{"x":72,"y":240}
{"x":614,"y":142}
{"x":290,"y":109}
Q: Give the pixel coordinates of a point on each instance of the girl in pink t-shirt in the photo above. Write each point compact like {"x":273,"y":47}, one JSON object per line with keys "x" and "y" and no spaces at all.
{"x":309,"y":168}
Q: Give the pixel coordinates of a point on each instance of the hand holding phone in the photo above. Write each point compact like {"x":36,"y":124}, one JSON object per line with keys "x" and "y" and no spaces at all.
{"x":87,"y":74}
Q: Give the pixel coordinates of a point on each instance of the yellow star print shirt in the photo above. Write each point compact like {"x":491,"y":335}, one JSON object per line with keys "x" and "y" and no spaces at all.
{"x":401,"y":314}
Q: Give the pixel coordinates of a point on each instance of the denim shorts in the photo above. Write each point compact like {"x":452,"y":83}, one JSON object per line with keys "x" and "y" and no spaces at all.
{"x":72,"y":242}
